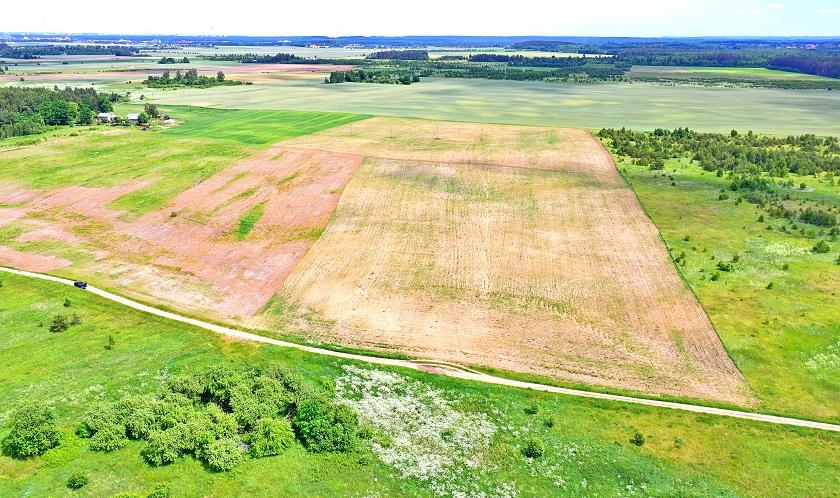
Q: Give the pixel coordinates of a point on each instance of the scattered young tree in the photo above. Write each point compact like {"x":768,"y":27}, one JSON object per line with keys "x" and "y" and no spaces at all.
{"x":77,"y":480}
{"x":59,"y":324}
{"x":151,"y":110}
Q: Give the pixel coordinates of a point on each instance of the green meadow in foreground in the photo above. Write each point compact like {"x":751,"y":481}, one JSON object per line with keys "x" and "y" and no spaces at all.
{"x":776,"y":306}
{"x":432,"y":436}
{"x":167,"y":161}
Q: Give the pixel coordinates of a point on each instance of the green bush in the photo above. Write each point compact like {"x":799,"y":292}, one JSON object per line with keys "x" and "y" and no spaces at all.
{"x":32,"y":431}
{"x":821,"y":247}
{"x":108,"y":438}
{"x":188,"y":385}
{"x":219,"y":381}
{"x":59,"y":324}
{"x":533,"y":449}
{"x":160,"y":491}
{"x":173,"y":409}
{"x":139,"y":415}
{"x":100,"y":416}
{"x":77,"y":480}
{"x":326,"y":427}
{"x":532,"y":409}
{"x":162,"y":448}
{"x":224,"y":454}
{"x":638,"y":439}
{"x":271,"y":437}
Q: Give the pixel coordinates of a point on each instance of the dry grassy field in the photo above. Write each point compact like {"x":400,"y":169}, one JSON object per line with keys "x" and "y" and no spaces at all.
{"x":518,"y":248}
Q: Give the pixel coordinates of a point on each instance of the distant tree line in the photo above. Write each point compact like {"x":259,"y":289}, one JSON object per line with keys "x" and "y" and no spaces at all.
{"x":595,"y":71}
{"x":26,"y":111}
{"x":37,"y":51}
{"x":280,"y":58}
{"x":522,"y":61}
{"x":401,"y":55}
{"x":171,"y":60}
{"x":809,"y":63}
{"x":818,"y":57}
{"x":189,"y":79}
{"x":373,"y":76}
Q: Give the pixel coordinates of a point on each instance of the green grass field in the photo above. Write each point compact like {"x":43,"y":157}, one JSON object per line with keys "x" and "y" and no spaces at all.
{"x":587,"y":448}
{"x":683,"y":72}
{"x":639,"y":106}
{"x":785,"y":339}
{"x":173,"y":159}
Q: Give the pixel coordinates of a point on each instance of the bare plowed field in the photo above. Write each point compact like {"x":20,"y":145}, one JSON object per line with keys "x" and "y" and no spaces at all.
{"x":192,"y":254}
{"x":512,"y":247}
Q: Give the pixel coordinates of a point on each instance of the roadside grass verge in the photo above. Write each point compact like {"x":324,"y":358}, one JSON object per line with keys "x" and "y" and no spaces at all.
{"x":586,"y":443}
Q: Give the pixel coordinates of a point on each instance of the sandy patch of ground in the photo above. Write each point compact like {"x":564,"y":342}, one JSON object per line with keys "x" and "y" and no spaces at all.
{"x":512,"y":247}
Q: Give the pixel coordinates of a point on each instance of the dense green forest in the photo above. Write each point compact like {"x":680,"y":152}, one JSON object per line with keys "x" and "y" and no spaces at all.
{"x":37,"y":51}
{"x":26,"y":111}
{"x":739,"y":153}
{"x":191,"y":78}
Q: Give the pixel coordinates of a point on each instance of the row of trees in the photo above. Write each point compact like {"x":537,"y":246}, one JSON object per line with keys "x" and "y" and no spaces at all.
{"x":380,"y":76}
{"x":171,"y":60}
{"x":279,"y":58}
{"x":191,"y":78}
{"x":26,"y":111}
{"x":38,"y":51}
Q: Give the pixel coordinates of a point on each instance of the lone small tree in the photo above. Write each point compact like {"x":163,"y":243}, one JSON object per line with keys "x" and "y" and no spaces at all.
{"x":220,"y":76}
{"x":59,"y":324}
{"x":151,"y":110}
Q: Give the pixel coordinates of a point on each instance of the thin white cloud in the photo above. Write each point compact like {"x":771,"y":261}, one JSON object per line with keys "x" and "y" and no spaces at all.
{"x":775,"y":5}
{"x":829,"y":10}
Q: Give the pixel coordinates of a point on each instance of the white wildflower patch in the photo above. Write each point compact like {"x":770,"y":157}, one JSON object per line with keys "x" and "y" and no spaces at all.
{"x":427,"y":438}
{"x":826,"y":361}
{"x":784,"y":250}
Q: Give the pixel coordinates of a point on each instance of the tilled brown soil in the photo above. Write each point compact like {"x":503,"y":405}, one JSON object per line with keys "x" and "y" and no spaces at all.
{"x":511,"y":247}
{"x":189,"y":255}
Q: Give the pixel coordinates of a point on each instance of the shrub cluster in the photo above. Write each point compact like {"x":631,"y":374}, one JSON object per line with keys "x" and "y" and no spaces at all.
{"x":222,"y":415}
{"x":32,"y":431}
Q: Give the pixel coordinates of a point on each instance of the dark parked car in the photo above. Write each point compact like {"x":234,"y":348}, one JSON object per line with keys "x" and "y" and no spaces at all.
{"x":80,"y":284}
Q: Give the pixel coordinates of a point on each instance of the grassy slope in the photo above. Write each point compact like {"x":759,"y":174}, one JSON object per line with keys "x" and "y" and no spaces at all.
{"x":781,"y":338}
{"x":588,"y":441}
{"x":174,"y":159}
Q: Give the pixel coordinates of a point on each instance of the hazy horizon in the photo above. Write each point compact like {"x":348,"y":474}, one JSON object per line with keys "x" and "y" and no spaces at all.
{"x":597,"y":18}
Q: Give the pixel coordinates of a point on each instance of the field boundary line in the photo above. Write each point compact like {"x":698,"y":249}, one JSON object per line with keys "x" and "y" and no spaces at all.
{"x":418,"y":365}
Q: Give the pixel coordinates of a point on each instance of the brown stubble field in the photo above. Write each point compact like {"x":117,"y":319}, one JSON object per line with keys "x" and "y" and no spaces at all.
{"x":189,"y":254}
{"x":517,"y":248}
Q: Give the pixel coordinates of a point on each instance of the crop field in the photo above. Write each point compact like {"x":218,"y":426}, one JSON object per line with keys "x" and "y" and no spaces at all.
{"x":451,"y":236}
{"x":587,"y":448}
{"x":160,"y":214}
{"x":639,"y":106}
{"x":785,"y":338}
{"x":722,"y":72}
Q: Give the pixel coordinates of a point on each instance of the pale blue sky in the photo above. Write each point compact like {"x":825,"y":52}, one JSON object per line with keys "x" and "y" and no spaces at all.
{"x":429,"y":17}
